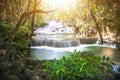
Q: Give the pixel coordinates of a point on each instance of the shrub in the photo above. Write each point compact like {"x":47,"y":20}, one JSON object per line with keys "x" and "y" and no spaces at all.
{"x":5,"y":30}
{"x":80,"y":66}
{"x":22,"y":40}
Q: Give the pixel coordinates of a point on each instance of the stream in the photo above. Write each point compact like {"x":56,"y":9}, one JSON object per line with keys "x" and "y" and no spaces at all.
{"x":49,"y":53}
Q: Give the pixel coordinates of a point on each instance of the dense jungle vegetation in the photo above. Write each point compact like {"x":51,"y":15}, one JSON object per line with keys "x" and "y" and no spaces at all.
{"x":89,"y":18}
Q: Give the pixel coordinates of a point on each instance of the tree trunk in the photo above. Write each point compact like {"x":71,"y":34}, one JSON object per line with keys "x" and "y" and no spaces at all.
{"x":97,"y":27}
{"x":12,"y":35}
{"x":33,"y":20}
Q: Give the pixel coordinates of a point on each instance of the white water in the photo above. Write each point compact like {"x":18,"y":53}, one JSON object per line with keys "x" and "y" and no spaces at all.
{"x":49,"y":53}
{"x":54,"y":27}
{"x":48,"y":45}
{"x":54,"y":42}
{"x":71,"y":49}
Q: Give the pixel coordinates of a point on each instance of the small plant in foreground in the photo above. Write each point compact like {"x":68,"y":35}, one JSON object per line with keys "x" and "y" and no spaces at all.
{"x":80,"y":66}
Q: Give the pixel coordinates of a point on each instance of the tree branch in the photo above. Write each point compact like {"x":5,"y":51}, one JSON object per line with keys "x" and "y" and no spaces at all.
{"x":12,"y":35}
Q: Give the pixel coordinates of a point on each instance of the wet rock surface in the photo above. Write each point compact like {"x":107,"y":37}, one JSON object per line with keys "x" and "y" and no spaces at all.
{"x":54,"y":43}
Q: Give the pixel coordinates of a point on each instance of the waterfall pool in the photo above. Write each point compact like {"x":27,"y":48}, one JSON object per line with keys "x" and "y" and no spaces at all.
{"x":49,"y":53}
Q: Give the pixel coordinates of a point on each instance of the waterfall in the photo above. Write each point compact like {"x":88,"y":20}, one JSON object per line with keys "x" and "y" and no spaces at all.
{"x":54,"y":43}
{"x":52,"y":35}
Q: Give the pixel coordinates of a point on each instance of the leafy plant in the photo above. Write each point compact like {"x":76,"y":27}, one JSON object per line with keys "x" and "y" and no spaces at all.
{"x":5,"y":30}
{"x":80,"y":66}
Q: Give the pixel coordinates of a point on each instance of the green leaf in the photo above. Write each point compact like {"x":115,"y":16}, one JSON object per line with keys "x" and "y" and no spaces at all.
{"x":57,"y":72}
{"x":108,"y":58}
{"x":77,"y":67}
{"x":112,"y":63}
{"x":75,"y":51}
{"x":103,"y":58}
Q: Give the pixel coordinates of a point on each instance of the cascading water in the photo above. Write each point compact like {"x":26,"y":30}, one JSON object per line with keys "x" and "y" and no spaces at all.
{"x":50,"y":42}
{"x":53,"y":34}
{"x":54,"y":43}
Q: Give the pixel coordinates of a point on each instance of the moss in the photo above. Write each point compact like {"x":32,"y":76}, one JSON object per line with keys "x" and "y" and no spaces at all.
{"x":13,"y":77}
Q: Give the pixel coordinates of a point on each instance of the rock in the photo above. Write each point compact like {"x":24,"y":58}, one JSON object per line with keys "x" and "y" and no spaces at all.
{"x":54,"y":42}
{"x":118,"y":45}
{"x":87,"y":40}
{"x":13,"y":77}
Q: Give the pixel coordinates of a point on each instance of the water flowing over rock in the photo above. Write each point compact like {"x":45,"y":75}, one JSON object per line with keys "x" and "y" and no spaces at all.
{"x":54,"y":27}
{"x":53,"y":35}
{"x":54,"y":42}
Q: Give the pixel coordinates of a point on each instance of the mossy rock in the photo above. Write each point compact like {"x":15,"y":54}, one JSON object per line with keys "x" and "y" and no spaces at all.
{"x":28,"y":73}
{"x":13,"y":77}
{"x":88,"y":40}
{"x":118,"y":45}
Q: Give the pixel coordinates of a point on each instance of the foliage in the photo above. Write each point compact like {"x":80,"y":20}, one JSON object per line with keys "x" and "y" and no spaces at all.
{"x":22,"y":34}
{"x":21,"y":41}
{"x":11,"y":10}
{"x":5,"y":30}
{"x":119,"y":69}
{"x":40,"y":23}
{"x":80,"y":66}
{"x":79,"y":17}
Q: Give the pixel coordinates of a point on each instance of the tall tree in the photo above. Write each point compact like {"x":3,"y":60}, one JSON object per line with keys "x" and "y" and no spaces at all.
{"x":23,"y":18}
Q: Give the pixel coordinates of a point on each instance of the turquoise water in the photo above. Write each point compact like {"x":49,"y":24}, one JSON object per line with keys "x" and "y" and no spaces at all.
{"x":48,"y":53}
{"x":113,"y":53}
